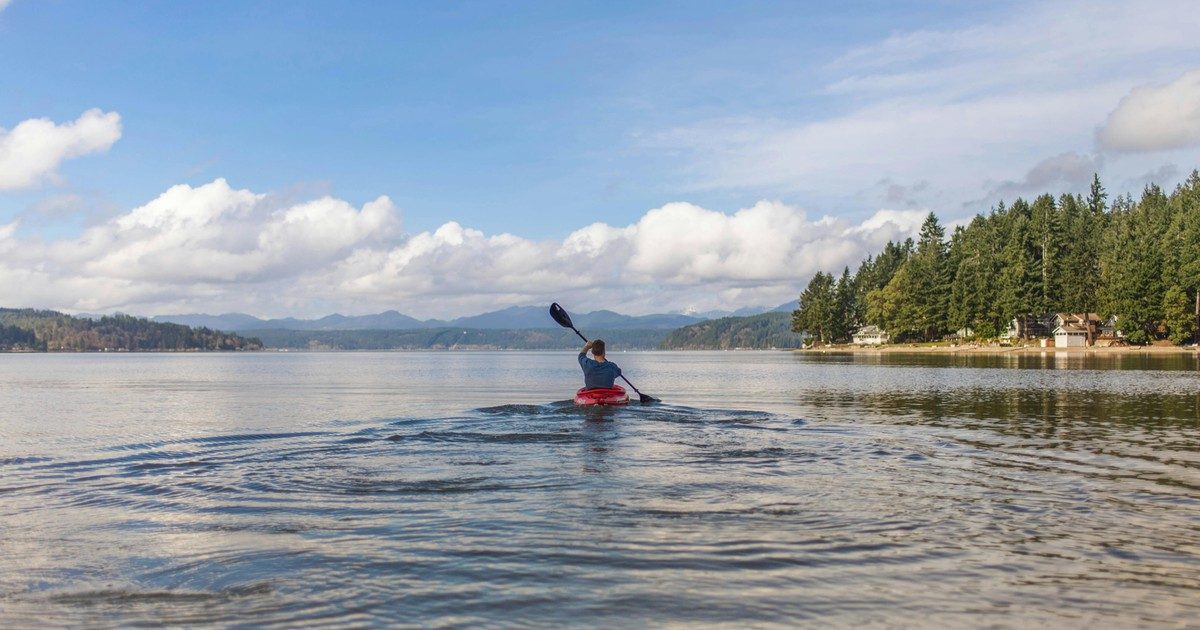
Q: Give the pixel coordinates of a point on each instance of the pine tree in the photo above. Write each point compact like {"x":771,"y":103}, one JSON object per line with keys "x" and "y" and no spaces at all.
{"x":862,"y":284}
{"x":1044,"y":224}
{"x":974,"y":300}
{"x":1096,"y":197}
{"x":893,"y":307}
{"x":1132,"y":264}
{"x":817,"y":310}
{"x":1020,"y":275}
{"x":844,"y":319}
{"x":930,"y":280}
{"x":1075,"y":273}
{"x":1178,"y":318}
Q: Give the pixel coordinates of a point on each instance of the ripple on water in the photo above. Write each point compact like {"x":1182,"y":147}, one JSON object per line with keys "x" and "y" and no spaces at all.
{"x":553,"y":515}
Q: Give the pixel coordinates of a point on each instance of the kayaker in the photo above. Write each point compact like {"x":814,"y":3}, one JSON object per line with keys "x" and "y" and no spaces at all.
{"x":599,"y":373}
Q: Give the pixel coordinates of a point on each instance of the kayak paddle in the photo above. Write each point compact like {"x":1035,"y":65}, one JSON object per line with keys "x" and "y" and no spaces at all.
{"x":560,"y":315}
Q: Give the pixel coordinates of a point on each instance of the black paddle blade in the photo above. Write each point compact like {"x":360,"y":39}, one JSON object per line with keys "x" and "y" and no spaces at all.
{"x":647,"y":399}
{"x":560,"y":316}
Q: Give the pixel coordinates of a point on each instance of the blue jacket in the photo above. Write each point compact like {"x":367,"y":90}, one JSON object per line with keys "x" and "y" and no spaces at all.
{"x":597,"y":375}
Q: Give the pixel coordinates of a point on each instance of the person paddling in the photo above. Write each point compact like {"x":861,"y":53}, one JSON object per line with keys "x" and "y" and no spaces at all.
{"x":599,"y":373}
{"x":559,"y":315}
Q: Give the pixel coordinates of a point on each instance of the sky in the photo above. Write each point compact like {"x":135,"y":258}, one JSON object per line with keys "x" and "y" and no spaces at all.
{"x":444,"y":159}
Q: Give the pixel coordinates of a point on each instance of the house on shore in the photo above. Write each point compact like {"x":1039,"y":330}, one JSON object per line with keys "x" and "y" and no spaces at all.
{"x":1065,"y":328}
{"x":1070,"y":336}
{"x":1029,"y":326}
{"x":870,"y":336}
{"x":1076,"y":330}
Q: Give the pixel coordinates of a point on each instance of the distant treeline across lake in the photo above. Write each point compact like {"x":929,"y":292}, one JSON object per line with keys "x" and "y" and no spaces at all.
{"x":29,"y":330}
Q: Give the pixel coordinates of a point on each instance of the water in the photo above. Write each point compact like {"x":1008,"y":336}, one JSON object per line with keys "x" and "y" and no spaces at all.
{"x":449,"y":489}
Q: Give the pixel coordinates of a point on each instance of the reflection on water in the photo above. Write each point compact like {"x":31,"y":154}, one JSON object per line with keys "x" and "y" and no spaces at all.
{"x":772,"y":489}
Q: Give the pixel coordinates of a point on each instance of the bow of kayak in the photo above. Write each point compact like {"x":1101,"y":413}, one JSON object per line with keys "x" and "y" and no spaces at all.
{"x":614,"y":395}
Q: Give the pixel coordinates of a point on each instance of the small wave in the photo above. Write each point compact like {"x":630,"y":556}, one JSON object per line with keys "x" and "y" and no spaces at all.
{"x":110,"y":596}
{"x":17,"y":461}
{"x":487,"y":438}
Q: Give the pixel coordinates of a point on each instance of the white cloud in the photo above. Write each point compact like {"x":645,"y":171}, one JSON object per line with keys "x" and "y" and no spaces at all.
{"x":4,"y":4}
{"x":216,"y":248}
{"x":1156,"y":117}
{"x":896,"y":222}
{"x":33,"y":150}
{"x":7,"y":230}
{"x":674,"y":257}
{"x":214,"y":233}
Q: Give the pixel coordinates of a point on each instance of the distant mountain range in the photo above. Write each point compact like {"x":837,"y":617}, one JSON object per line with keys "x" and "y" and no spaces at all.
{"x":523,"y":327}
{"x":512,"y":318}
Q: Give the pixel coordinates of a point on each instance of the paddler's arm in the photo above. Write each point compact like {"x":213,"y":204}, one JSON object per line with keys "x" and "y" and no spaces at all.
{"x":583,"y":353}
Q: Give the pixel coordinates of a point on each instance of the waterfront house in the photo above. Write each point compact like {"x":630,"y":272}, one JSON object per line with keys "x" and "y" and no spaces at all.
{"x":1071,"y":336}
{"x":1029,"y":326}
{"x":1078,"y":319}
{"x":1090,"y":323}
{"x":870,"y":336}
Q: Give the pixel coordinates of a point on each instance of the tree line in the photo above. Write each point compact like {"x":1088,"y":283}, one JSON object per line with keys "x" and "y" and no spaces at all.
{"x":50,"y":331}
{"x":456,"y":338}
{"x":1136,"y":260}
{"x":766,"y":330}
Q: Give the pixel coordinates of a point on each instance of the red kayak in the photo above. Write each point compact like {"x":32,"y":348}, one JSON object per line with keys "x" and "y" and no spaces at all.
{"x":614,"y":395}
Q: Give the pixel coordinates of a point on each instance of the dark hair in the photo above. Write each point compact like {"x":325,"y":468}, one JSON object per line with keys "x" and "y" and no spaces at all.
{"x":598,"y":347}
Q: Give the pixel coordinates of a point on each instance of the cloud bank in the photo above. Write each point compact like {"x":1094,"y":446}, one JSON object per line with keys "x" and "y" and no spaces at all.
{"x":215,"y":247}
{"x":969,"y":109}
{"x":33,"y":150}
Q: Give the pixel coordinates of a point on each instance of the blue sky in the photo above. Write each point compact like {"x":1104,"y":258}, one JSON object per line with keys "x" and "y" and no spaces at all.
{"x":520,"y":117}
{"x":540,"y":119}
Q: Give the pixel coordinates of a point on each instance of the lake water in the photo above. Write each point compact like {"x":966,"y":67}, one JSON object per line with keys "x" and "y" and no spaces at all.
{"x":450,"y":489}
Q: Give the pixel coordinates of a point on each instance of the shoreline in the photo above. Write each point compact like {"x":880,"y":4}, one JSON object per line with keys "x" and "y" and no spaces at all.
{"x":997,"y":350}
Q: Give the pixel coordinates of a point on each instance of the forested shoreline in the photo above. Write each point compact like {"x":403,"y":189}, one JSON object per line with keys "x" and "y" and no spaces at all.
{"x":31,"y":330}
{"x":1136,"y":260}
{"x":763,"y":331}
{"x":455,"y":339}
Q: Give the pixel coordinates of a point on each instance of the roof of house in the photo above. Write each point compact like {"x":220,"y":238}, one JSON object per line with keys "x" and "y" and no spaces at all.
{"x":1078,"y":317}
{"x":870,"y":330}
{"x":1071,"y":328}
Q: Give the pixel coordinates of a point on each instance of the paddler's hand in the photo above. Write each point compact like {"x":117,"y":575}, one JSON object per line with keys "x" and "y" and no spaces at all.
{"x":587,"y":346}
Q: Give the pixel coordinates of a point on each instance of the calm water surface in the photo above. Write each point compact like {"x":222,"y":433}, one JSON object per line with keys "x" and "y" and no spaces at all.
{"x":450,"y":489}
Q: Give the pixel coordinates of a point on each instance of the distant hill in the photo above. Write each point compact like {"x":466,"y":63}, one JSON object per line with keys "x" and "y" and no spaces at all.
{"x":741,"y":312}
{"x":228,"y":321}
{"x":787,"y":307}
{"x":617,"y":321}
{"x":50,"y":331}
{"x":512,"y":318}
{"x":243,"y":322}
{"x":747,"y":311}
{"x":456,"y":338}
{"x":767,"y":330}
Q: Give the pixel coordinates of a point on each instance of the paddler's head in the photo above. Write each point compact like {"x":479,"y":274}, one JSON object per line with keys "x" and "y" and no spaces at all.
{"x":598,"y":348}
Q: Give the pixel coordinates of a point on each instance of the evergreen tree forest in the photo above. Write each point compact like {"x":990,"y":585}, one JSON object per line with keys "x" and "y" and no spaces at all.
{"x":762,"y":331}
{"x":29,"y":330}
{"x":1136,"y":259}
